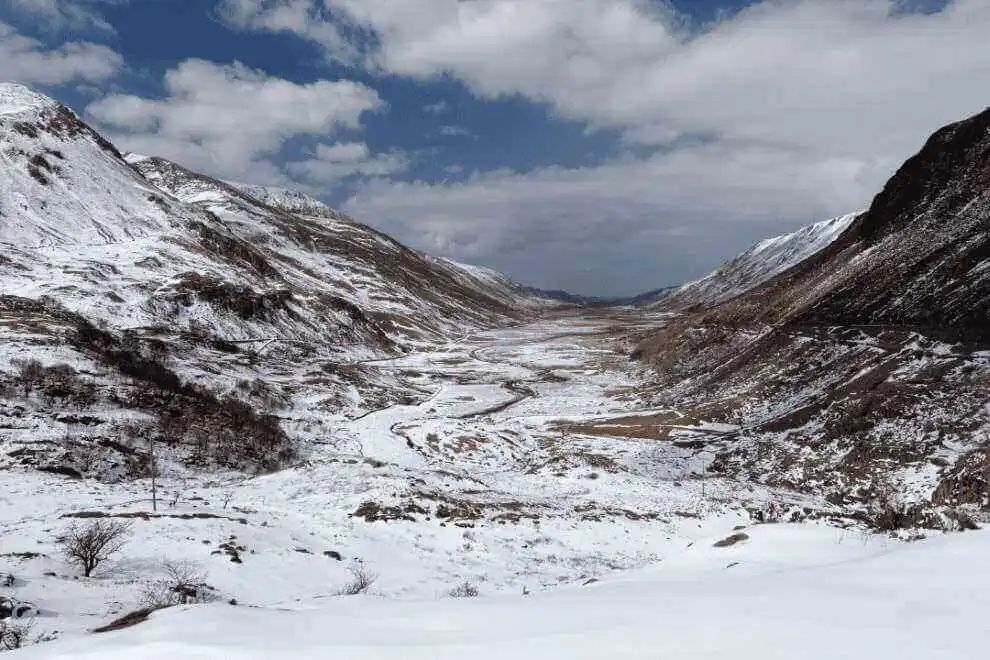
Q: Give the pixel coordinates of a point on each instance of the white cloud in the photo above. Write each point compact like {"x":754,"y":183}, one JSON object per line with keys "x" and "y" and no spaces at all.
{"x":438,"y":108}
{"x":806,"y":107}
{"x":229,"y":120}
{"x":801,"y":73}
{"x":59,"y":15}
{"x":455,"y":131}
{"x":27,"y":60}
{"x":628,"y":225}
{"x":333,"y":163}
{"x":309,"y":19}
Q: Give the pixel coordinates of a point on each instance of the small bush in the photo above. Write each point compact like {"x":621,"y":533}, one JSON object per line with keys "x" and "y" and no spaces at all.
{"x":268,"y":396}
{"x":361,"y":581}
{"x":14,"y":634}
{"x":182,"y":584}
{"x":464,"y":590}
{"x":90,"y":545}
{"x":732,"y":539}
{"x":57,"y":384}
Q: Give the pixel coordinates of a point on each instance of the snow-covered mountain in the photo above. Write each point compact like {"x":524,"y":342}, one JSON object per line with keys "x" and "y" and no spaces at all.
{"x":290,"y":201}
{"x":150,"y":277}
{"x":763,"y":261}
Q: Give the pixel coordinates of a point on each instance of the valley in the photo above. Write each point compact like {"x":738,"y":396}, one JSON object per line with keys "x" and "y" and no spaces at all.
{"x":493,"y":477}
{"x":282,"y":406}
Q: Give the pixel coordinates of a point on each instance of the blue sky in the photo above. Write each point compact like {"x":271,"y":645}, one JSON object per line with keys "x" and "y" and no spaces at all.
{"x":602,"y":146}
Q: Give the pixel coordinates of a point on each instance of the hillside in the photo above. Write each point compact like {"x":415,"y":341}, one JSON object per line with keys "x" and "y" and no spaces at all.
{"x":290,"y":201}
{"x":860,"y":373}
{"x":136,"y":292}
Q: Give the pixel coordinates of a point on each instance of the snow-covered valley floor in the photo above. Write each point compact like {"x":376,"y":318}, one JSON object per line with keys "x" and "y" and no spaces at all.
{"x":504,"y":474}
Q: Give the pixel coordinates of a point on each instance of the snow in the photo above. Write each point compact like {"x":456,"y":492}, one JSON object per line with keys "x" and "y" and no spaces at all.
{"x":760,"y":263}
{"x":18,"y":100}
{"x":292,"y":201}
{"x":535,"y":514}
{"x":789,"y":592}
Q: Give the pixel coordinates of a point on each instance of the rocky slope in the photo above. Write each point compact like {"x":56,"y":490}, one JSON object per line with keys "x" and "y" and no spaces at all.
{"x":173,"y":304}
{"x":861,"y":373}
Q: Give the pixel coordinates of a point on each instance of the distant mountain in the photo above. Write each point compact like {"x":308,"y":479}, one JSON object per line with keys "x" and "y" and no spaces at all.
{"x":756,"y":265}
{"x":647,"y":298}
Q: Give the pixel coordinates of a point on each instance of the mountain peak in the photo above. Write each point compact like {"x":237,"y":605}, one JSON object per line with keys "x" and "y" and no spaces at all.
{"x":32,"y":115}
{"x":19,"y":100}
{"x":946,"y":174}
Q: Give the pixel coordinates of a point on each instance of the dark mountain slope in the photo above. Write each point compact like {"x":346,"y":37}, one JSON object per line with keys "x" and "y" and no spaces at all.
{"x":917,"y":258}
{"x":859,"y":374}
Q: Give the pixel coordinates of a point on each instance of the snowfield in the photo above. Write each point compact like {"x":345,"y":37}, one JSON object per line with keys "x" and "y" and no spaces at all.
{"x":579,"y":545}
{"x":790,"y":592}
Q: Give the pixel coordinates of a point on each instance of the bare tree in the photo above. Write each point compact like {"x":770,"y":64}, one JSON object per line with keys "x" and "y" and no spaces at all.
{"x":154,"y":473}
{"x":361,"y":581}
{"x":92,"y":544}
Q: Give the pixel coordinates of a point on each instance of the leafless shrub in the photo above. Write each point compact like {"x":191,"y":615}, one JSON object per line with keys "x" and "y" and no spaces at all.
{"x":182,"y":584}
{"x":464,"y":590}
{"x":92,"y":544}
{"x":58,"y":383}
{"x":361,"y":581}
{"x":14,"y":634}
{"x":30,"y":372}
{"x":268,"y":396}
{"x":219,"y":429}
{"x":885,"y":510}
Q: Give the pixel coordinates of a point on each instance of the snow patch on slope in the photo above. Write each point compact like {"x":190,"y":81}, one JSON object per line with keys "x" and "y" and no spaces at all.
{"x":290,"y":201}
{"x":763,"y":261}
{"x":18,"y":100}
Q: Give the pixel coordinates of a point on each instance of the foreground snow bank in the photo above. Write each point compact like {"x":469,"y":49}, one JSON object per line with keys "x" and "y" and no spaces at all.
{"x":862,"y":599}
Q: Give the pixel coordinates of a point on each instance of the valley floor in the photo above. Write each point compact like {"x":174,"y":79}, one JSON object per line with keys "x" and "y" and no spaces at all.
{"x":520,"y":467}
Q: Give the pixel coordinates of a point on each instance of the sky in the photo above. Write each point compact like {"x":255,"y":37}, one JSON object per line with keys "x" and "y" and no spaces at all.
{"x":604,"y":147}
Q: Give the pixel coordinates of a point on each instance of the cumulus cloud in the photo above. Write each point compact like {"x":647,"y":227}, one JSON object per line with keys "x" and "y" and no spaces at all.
{"x":27,"y":60}
{"x":321,"y":24}
{"x":804,"y":71}
{"x":825,"y":99}
{"x":331,"y":164}
{"x":229,"y":120}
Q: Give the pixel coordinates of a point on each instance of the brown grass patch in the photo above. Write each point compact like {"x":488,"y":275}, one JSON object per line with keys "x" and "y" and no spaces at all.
{"x":644,"y":427}
{"x":126,"y":621}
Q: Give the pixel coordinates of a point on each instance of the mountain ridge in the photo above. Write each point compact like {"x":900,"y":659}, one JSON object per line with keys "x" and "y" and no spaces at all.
{"x":763,"y":261}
